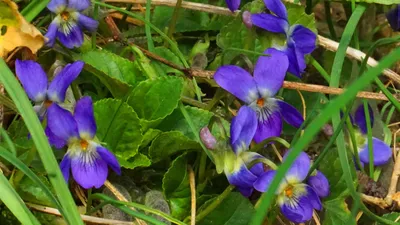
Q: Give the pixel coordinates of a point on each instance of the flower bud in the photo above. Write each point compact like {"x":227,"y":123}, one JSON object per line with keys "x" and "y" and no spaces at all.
{"x":246,"y":17}
{"x":207,"y":138}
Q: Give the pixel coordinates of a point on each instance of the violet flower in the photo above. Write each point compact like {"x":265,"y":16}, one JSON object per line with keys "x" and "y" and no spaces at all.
{"x":393,"y":17}
{"x":299,"y":39}
{"x":68,"y":24}
{"x":381,"y":151}
{"x":86,"y":158}
{"x":258,"y":92}
{"x":296,"y":199}
{"x":34,"y":80}
{"x":243,"y":128}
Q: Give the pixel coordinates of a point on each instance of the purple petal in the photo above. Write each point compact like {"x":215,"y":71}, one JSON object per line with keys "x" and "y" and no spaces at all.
{"x":243,"y":128}
{"x":360,"y":119}
{"x":271,"y":127}
{"x":248,"y":158}
{"x":300,"y":167}
{"x":32,"y":78}
{"x":57,"y":6}
{"x":290,"y":114}
{"x":110,"y":159}
{"x":61,"y":122}
{"x":313,"y":198}
{"x":51,"y":34}
{"x":277,"y":7}
{"x":393,"y":17}
{"x":297,"y":63}
{"x":263,"y":181}
{"x":65,"y":167}
{"x":242,"y":177}
{"x":87,"y":22}
{"x":89,"y":174}
{"x":84,"y":117}
{"x":381,"y":151}
{"x":238,"y":82}
{"x":298,"y":212}
{"x":245,"y":191}
{"x":320,"y":184}
{"x":304,"y":38}
{"x":54,"y":140}
{"x":78,"y":5}
{"x":233,"y":5}
{"x":72,"y":38}
{"x":270,"y":23}
{"x":62,"y":80}
{"x":270,"y":71}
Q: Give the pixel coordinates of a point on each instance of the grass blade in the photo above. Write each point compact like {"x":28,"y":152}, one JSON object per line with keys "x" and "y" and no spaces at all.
{"x":13,"y":202}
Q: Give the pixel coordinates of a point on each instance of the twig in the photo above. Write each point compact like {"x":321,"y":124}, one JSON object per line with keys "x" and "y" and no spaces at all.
{"x":322,"y":41}
{"x":375,"y":201}
{"x":121,"y":198}
{"x":193,"y":195}
{"x":88,"y":219}
{"x":353,"y":53}
{"x":395,"y":174}
{"x":188,"y":5}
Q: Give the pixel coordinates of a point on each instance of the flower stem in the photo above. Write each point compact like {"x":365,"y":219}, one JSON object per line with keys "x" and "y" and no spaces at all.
{"x":89,"y":201}
{"x":202,"y":166}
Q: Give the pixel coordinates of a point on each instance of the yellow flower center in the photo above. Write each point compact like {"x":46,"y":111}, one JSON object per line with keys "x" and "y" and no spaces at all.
{"x":84,"y":144}
{"x":260,"y":102}
{"x":289,"y":191}
{"x":47,"y":103}
{"x":65,"y":15}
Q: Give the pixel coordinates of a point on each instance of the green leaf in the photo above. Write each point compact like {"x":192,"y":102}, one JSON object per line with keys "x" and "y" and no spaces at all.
{"x":115,"y":72}
{"x":153,"y":100}
{"x":337,"y":213}
{"x":168,"y":55}
{"x":168,"y":143}
{"x":297,"y":15}
{"x":176,"y":187}
{"x":334,"y":174}
{"x":391,"y":216}
{"x":234,"y":210}
{"x":188,"y":20}
{"x":30,"y":191}
{"x":139,"y":160}
{"x":236,"y":35}
{"x":177,"y":122}
{"x":119,"y":127}
{"x":149,"y":136}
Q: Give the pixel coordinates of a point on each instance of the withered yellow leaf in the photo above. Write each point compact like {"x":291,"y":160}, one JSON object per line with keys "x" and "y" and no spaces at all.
{"x":15,"y":31}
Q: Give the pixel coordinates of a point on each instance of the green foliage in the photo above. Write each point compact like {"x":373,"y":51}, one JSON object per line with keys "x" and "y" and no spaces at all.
{"x":115,"y":72}
{"x":177,"y":122}
{"x":118,"y":126}
{"x":234,"y":210}
{"x":153,"y":100}
{"x":168,"y":55}
{"x":32,"y":192}
{"x":170,"y":142}
{"x":176,"y":187}
{"x":337,"y":213}
{"x":391,"y":216}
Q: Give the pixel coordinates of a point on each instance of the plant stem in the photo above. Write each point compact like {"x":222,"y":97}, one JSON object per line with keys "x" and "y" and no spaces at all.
{"x":202,"y":167}
{"x":89,"y":201}
{"x":174,"y":19}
